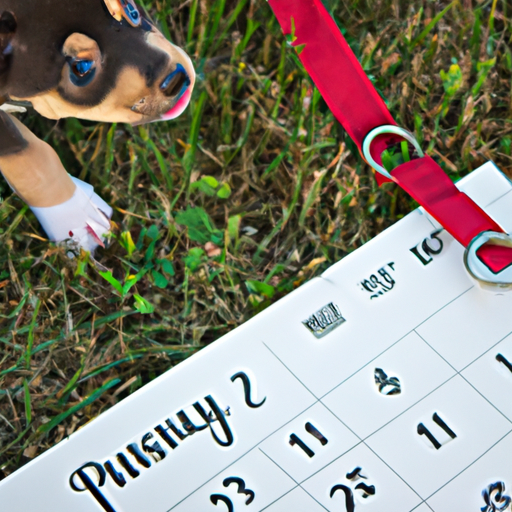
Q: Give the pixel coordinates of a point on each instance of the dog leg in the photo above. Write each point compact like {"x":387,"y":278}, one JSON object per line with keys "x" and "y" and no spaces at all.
{"x":66,"y":207}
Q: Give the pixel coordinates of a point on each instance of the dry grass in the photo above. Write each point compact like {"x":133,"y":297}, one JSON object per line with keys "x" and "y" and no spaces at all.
{"x":271,"y":191}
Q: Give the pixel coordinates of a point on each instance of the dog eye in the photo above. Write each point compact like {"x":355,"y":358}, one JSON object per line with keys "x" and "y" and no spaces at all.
{"x":133,"y":14}
{"x":81,"y":71}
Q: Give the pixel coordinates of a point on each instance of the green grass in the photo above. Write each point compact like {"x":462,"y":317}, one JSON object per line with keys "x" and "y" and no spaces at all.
{"x":254,"y":190}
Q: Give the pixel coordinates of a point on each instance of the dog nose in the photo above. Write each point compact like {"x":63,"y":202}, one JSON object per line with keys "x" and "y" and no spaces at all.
{"x":175,"y":83}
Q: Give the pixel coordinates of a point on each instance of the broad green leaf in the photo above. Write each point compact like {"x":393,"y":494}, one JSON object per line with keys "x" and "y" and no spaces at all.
{"x":224,"y":191}
{"x":150,"y":252}
{"x":260,"y":288}
{"x":159,"y":279}
{"x":167,"y":267}
{"x":142,"y":305}
{"x":207,"y":184}
{"x":195,"y":257}
{"x":200,"y":226}
{"x":112,"y":280}
{"x":210,"y":180}
{"x":153,"y":232}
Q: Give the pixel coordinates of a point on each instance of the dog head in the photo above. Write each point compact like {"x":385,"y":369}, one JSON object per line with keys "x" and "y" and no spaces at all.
{"x":99,"y":60}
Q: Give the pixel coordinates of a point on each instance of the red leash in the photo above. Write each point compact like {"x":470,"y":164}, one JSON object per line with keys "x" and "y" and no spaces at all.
{"x":356,"y":104}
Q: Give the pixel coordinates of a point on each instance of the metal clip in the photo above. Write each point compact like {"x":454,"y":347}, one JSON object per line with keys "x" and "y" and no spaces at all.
{"x":478,"y":269}
{"x":387,"y":129}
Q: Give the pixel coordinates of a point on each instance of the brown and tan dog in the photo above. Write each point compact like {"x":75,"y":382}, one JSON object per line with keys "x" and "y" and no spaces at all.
{"x":99,"y":60}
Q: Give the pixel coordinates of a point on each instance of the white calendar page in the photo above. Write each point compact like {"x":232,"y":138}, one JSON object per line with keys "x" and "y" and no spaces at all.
{"x":402,"y":404}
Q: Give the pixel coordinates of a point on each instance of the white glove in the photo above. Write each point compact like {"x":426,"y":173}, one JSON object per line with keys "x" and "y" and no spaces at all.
{"x":85,"y":218}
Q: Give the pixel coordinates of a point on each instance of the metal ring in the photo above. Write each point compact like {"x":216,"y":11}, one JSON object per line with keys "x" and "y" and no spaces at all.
{"x":478,"y":269}
{"x":383,"y":130}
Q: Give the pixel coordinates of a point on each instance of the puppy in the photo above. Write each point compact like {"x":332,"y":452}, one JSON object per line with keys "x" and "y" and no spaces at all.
{"x":99,"y":60}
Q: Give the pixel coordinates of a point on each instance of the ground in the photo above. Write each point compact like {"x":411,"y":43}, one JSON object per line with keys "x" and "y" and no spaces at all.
{"x":254,"y":190}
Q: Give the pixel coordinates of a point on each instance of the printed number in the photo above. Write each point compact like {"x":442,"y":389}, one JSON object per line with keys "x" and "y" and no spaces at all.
{"x":505,"y":361}
{"x":247,"y":389}
{"x":242,"y":489}
{"x":310,"y":429}
{"x":366,"y":490}
{"x":431,"y":246}
{"x":422,"y":430}
{"x":215,"y":498}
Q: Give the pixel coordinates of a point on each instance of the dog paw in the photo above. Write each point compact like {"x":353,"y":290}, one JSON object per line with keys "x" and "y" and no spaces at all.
{"x":84,"y":220}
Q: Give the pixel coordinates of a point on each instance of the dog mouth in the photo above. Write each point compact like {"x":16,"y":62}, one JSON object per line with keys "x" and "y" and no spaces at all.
{"x":176,"y":89}
{"x":175,"y":83}
{"x":179,"y":106}
{"x":171,"y":109}
{"x":178,"y":86}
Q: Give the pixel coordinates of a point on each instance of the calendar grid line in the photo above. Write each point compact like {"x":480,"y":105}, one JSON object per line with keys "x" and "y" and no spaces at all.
{"x":279,"y":359}
{"x":432,"y":348}
{"x":363,"y":442}
{"x":443,"y":307}
{"x":396,"y":473}
{"x":334,"y":460}
{"x":394,"y":344}
{"x":498,"y":199}
{"x":472,"y":463}
{"x":286,"y":473}
{"x":486,"y":352}
{"x":423,"y":503}
{"x":280,"y":497}
{"x":456,"y":373}
{"x":408,"y":408}
{"x":365,"y":365}
{"x":459,"y":373}
{"x":243,"y":455}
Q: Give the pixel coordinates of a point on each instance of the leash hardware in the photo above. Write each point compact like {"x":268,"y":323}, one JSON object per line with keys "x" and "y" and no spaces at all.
{"x":387,"y":129}
{"x":478,"y":269}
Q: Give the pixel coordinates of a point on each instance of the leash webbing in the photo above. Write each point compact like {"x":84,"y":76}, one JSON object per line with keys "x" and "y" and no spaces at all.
{"x":355,"y":103}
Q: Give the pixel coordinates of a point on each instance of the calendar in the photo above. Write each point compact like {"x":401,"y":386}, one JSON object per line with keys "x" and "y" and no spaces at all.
{"x":382,"y":386}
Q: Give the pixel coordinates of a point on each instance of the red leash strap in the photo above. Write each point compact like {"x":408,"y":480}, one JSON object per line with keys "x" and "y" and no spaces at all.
{"x":422,"y":180}
{"x":333,"y":66}
{"x":356,"y":104}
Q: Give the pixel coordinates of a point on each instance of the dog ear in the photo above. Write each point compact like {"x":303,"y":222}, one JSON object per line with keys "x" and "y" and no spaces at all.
{"x":124,"y":9}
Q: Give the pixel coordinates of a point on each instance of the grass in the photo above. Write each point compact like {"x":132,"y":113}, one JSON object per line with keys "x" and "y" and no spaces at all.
{"x":254,"y":190}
